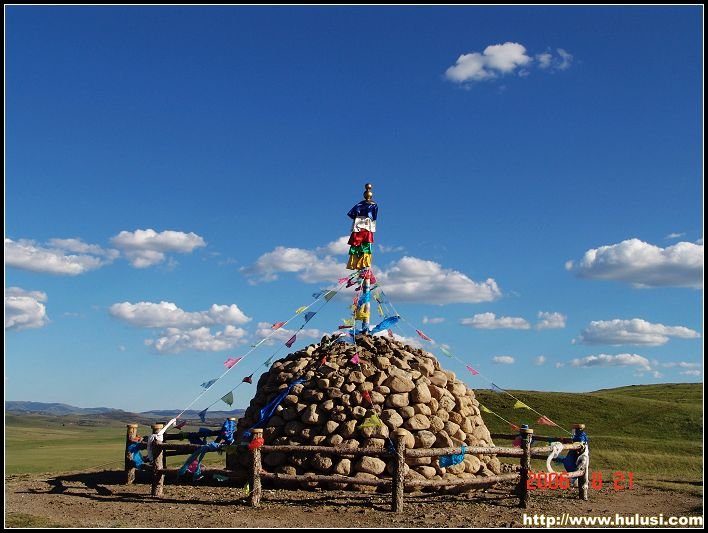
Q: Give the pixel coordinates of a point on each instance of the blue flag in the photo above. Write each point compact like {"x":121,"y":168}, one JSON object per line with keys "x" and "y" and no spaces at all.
{"x":386,"y":323}
{"x":209,"y":383}
{"x":202,"y":415}
{"x":309,"y":315}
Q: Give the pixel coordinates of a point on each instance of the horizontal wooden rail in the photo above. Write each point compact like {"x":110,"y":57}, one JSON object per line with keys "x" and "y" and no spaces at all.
{"x":478,"y":482}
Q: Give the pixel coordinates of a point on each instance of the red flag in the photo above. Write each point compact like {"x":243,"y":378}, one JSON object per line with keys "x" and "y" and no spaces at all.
{"x":248,"y":379}
{"x":545,"y":421}
{"x":472,"y":370}
{"x":278,"y":325}
{"x":423,"y":335}
{"x":355,"y":300}
{"x":345,"y":327}
{"x":291,"y":341}
{"x":390,"y":333}
{"x":230,"y":362}
{"x":365,"y":394}
{"x":342,"y":280}
{"x":323,"y":360}
{"x":514,"y":427}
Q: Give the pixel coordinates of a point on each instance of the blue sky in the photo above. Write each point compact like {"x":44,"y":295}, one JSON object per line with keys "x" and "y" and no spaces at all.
{"x":177,"y":179}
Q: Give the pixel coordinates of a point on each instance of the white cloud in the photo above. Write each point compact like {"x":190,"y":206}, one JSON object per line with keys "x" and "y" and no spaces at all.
{"x":264,"y":329}
{"x":389,"y":249}
{"x":338,"y":247}
{"x":495,"y":60}
{"x":540,"y":360}
{"x":416,"y":280}
{"x":566,"y":59}
{"x":635,"y":331}
{"x":503,"y":360}
{"x":167,"y":314}
{"x":414,"y":342}
{"x":550,"y":320}
{"x":312,"y":267}
{"x":175,"y":340}
{"x":58,"y":257}
{"x":681,"y":364}
{"x":433,"y":320}
{"x":559,"y":365}
{"x":545,"y":60}
{"x":605,"y":360}
{"x":674,"y":235}
{"x":490,"y":321}
{"x":690,"y":373}
{"x":145,"y":248}
{"x":24,"y":309}
{"x":644,"y":265}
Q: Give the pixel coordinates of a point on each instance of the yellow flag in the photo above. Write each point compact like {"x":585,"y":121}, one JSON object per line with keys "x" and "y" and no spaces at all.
{"x":372,"y":422}
{"x":484,"y":409}
{"x":246,"y":489}
{"x":520,"y":405}
{"x":380,"y":310}
{"x":300,"y":309}
{"x":348,"y":322}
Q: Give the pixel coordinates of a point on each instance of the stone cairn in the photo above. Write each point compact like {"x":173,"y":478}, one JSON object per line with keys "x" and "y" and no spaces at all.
{"x":407,"y":388}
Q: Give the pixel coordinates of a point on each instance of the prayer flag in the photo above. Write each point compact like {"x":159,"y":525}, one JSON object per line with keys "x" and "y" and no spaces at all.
{"x":520,"y":405}
{"x":447,"y":352}
{"x":277,"y":325}
{"x":181,"y":424}
{"x":348,"y":322}
{"x":300,"y":309}
{"x":209,"y":383}
{"x":342,"y":280}
{"x":372,"y":422}
{"x":514,"y":427}
{"x":386,"y":323}
{"x":228,"y":398}
{"x":202,"y":415}
{"x":423,"y":335}
{"x":484,"y":409}
{"x":496,"y":389}
{"x":365,"y":394}
{"x":230,"y":362}
{"x":291,"y":341}
{"x":355,"y":360}
{"x":545,"y":421}
{"x":330,"y":295}
{"x":309,"y":315}
{"x":473,"y":371}
{"x":380,"y":310}
{"x":248,"y":379}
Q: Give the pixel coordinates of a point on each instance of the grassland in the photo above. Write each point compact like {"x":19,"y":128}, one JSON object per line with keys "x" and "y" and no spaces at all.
{"x":653,"y":431}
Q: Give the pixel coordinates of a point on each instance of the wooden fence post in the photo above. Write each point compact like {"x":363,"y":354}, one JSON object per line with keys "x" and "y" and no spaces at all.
{"x":526,"y":435}
{"x":399,"y":472}
{"x":158,"y":477}
{"x":255,"y":495}
{"x":130,"y":433}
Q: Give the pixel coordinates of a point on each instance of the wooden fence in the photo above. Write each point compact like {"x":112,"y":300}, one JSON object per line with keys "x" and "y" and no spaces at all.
{"x":397,"y":484}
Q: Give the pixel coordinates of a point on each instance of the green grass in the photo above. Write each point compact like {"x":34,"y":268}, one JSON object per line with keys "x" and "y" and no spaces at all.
{"x":654,"y":431}
{"x":26,"y":520}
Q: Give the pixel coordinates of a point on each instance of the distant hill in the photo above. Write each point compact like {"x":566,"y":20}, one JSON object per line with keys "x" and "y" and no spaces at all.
{"x":62,"y":409}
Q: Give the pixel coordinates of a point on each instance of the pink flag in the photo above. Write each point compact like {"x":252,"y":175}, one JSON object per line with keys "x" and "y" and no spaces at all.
{"x":230,"y":362}
{"x":355,"y":301}
{"x":390,"y":333}
{"x":342,"y":280}
{"x":355,"y":360}
{"x":423,"y":335}
{"x":291,"y":341}
{"x":472,"y":370}
{"x":545,"y":421}
{"x":277,"y":325}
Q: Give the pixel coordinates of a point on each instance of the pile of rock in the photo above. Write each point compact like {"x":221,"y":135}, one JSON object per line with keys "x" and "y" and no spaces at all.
{"x":404,"y":386}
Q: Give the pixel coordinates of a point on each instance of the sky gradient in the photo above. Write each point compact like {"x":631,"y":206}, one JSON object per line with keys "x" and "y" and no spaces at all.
{"x":177,"y":180}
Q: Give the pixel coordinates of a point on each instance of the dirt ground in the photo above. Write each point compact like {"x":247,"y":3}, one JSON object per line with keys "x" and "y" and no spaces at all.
{"x":99,"y":499}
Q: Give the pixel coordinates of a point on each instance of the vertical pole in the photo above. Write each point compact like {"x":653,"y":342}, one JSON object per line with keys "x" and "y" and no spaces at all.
{"x":398,"y":481}
{"x":366,"y":308}
{"x":526,"y":434}
{"x":255,"y":496}
{"x":130,"y":434}
{"x":584,"y":481}
{"x":158,"y":477}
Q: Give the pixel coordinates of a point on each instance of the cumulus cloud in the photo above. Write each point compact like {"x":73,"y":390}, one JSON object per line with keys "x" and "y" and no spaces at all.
{"x":414,"y":342}
{"x":311,"y":266}
{"x":643,"y":264}
{"x":635,"y":331}
{"x":409,"y":279}
{"x":338,"y":247}
{"x":416,"y":280}
{"x":502,"y":59}
{"x":503,"y":360}
{"x":24,"y":309}
{"x":619,"y":360}
{"x":145,"y":248}
{"x":674,"y":235}
{"x":69,"y":257}
{"x":490,"y":321}
{"x":175,"y":340}
{"x":167,"y":314}
{"x":433,"y":320}
{"x":540,"y":360}
{"x":550,"y":320}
